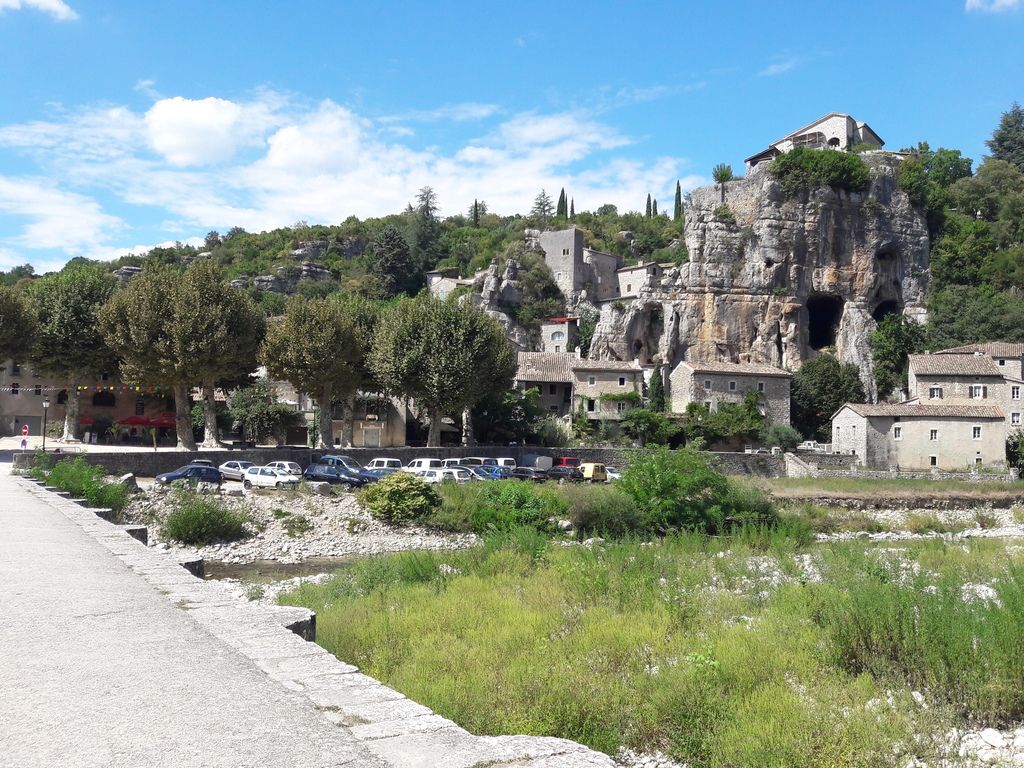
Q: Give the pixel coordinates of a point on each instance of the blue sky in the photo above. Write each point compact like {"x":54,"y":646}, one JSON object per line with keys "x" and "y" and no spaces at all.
{"x":124,"y":125}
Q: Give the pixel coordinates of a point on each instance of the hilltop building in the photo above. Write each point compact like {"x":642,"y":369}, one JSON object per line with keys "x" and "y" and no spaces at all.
{"x":717,"y":383}
{"x":576,"y":268}
{"x":835,"y":130}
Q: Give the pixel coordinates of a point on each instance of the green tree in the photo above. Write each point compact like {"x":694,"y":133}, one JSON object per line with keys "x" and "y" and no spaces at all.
{"x":677,"y":208}
{"x":781,"y":435}
{"x":17,"y":325}
{"x":394,"y":267}
{"x":543,"y":209}
{"x":647,"y":426}
{"x":445,"y":355}
{"x":572,"y":208}
{"x":68,"y":343}
{"x":1015,"y":449}
{"x":256,"y":413}
{"x":425,"y":231}
{"x":511,"y":416}
{"x":1007,"y":142}
{"x":647,"y":213}
{"x":314,"y":348}
{"x":722,"y":174}
{"x":587,"y":318}
{"x":654,"y":208}
{"x":562,"y":210}
{"x":656,"y":392}
{"x":729,"y":424}
{"x":363,"y":314}
{"x":819,"y":389}
{"x":895,"y":337}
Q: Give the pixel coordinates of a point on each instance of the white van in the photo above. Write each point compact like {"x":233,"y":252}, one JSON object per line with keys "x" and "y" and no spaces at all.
{"x":417,"y":465}
{"x":448,"y":463}
{"x":505,"y":462}
{"x":385,"y":464}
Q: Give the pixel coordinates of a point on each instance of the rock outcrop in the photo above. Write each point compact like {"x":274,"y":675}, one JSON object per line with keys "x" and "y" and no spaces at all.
{"x":776,"y":280}
{"x":498,"y":296}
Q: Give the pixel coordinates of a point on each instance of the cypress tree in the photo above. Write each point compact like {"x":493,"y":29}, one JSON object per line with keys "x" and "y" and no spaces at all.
{"x":648,"y":205}
{"x":561,"y":210}
{"x":654,"y":207}
{"x":656,"y":392}
{"x":572,"y":208}
{"x":677,"y":211}
{"x":476,"y":214}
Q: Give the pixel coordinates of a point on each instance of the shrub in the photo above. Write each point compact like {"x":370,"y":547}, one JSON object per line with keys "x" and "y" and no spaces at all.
{"x":724,"y":215}
{"x":782,"y":435}
{"x":86,"y":481}
{"x":509,"y":504}
{"x":601,"y":510}
{"x":399,"y":499}
{"x":296,"y":525}
{"x":801,"y":170}
{"x":985,"y":519}
{"x":680,"y":490}
{"x":553,"y":432}
{"x":201,"y":519}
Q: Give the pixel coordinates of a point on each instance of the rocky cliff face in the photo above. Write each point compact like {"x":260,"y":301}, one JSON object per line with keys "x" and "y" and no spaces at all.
{"x":784,"y":280}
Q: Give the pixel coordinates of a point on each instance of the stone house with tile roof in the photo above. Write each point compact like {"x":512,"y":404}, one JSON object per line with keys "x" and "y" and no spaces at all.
{"x":551,"y":374}
{"x":969,"y":377}
{"x":1007,"y":355}
{"x":716,"y":383}
{"x":835,"y":130}
{"x":567,"y":384}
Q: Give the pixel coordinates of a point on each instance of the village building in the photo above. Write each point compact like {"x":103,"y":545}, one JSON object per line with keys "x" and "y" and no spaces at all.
{"x":715,"y":383}
{"x":637,"y":277}
{"x":441,"y":283}
{"x":835,"y":130}
{"x":575,"y":267}
{"x":606,"y":389}
{"x":910,"y":436}
{"x":559,"y":334}
{"x":551,"y":374}
{"x":1007,"y":355}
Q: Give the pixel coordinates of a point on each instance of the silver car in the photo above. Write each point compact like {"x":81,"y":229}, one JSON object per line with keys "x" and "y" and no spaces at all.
{"x":233,"y":470}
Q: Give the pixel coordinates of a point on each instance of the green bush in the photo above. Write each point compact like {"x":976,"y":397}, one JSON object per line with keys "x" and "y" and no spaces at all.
{"x":679,"y":490}
{"x":781,"y":435}
{"x":86,"y":481}
{"x":202,"y":519}
{"x":508,"y":504}
{"x":601,"y":510}
{"x":801,"y":170}
{"x":724,"y":215}
{"x":399,"y":499}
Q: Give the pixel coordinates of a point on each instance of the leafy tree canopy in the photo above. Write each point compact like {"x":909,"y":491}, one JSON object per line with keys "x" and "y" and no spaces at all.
{"x":819,"y":388}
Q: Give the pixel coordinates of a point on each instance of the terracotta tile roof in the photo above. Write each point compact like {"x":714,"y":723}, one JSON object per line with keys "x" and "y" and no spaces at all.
{"x":909,"y":410}
{"x":954,"y":365}
{"x":545,"y":366}
{"x":605,"y":365}
{"x":736,"y":369}
{"x":990,"y":348}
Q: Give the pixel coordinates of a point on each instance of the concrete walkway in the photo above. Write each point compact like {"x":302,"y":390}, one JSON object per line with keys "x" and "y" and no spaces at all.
{"x":97,"y":668}
{"x":112,"y":654}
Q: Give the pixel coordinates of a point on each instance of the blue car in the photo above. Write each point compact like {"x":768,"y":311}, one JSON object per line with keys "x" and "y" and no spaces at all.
{"x":192,"y":474}
{"x":348,"y":465}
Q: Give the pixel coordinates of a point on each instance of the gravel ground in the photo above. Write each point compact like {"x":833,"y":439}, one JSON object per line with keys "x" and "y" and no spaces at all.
{"x":964,"y":523}
{"x":338,"y":527}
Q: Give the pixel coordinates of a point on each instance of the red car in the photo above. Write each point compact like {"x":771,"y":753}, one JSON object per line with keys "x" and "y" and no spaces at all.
{"x":566,"y":461}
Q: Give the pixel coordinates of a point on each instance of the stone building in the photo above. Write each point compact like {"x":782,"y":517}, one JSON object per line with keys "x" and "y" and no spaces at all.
{"x":606,"y":389}
{"x":551,"y":374}
{"x":637,"y":277}
{"x":559,"y":334}
{"x":833,"y":131}
{"x":441,"y":283}
{"x":1007,"y":355}
{"x":915,"y":436}
{"x":575,"y":267}
{"x":955,"y":378}
{"x":717,"y":383}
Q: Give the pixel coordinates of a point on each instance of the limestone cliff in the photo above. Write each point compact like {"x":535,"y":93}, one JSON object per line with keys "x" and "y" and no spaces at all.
{"x":779,"y":279}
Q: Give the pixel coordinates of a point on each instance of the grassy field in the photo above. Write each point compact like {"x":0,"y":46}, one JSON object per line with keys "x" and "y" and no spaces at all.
{"x":886,"y":488}
{"x":748,"y":650}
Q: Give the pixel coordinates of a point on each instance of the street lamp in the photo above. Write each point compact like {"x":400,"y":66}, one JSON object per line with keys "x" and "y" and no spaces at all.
{"x":46,"y":408}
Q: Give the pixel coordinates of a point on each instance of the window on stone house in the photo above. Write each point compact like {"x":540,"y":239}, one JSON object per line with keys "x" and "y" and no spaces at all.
{"x":591,"y":405}
{"x":897,"y":433}
{"x":622,"y":381}
{"x":557,"y":348}
{"x":558,"y":335}
{"x":976,"y":433}
{"x":620,"y":407}
{"x":978,"y":392}
{"x":565,"y":251}
{"x":977,"y":458}
{"x":1002,"y":362}
{"x":933,"y":461}
{"x":707,"y":383}
{"x":552,"y":407}
{"x":732,"y":386}
{"x":552,"y":389}
{"x":1015,"y":419}
{"x":15,"y":388}
{"x":933,"y":435}
{"x":1015,"y":393}
{"x":935,"y":393}
{"x":591,"y":380}
{"x":629,"y":287}
{"x":760,"y":386}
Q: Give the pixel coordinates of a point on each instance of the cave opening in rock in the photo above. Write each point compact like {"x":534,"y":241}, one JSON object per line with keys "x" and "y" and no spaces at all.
{"x":886,"y":308}
{"x":824,"y":311}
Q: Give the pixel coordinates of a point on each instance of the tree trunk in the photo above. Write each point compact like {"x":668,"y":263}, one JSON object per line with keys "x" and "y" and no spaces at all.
{"x":211,"y":439}
{"x":326,"y":433}
{"x":468,"y":438}
{"x":183,"y":417}
{"x":722,"y":187}
{"x":71,"y":414}
{"x":348,"y":423}
{"x":434,"y":436}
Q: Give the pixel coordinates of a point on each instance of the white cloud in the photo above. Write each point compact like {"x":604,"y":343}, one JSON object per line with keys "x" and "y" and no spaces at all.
{"x":56,"y":8}
{"x":779,"y":68}
{"x":992,"y":6}
{"x":270,"y":161}
{"x":57,"y":219}
{"x":470,"y":110}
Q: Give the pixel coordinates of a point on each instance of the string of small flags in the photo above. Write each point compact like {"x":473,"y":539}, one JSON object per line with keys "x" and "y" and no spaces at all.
{"x":28,"y":388}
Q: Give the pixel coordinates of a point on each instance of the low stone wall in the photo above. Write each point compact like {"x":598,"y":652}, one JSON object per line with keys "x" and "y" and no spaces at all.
{"x":145,"y":464}
{"x":828,"y":460}
{"x":1009,"y":476}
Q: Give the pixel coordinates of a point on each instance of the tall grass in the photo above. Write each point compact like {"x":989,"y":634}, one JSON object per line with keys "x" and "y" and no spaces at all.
{"x":201,"y":519}
{"x":743,"y":650}
{"x":85,"y":481}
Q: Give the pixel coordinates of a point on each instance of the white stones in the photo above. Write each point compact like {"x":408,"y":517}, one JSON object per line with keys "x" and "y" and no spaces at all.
{"x":993,"y":738}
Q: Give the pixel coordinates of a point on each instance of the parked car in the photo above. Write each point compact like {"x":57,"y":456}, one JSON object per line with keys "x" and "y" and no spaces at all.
{"x":348,"y":464}
{"x":288,"y":466}
{"x":233,"y":470}
{"x":322,"y":473}
{"x":460,"y":475}
{"x":612,"y":473}
{"x":380,"y":472}
{"x":503,"y":473}
{"x":384,"y":464}
{"x":565,"y":475}
{"x":203,"y":462}
{"x":268,"y":477}
{"x":504,"y":461}
{"x":420,"y":464}
{"x":474,"y":461}
{"x":566,"y":461}
{"x":192,"y":474}
{"x":594,"y":472}
{"x":529,"y":473}
{"x":484,"y":472}
{"x":445,"y":463}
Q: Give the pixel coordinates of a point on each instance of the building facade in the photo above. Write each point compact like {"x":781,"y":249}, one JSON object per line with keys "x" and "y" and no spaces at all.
{"x":631,"y":280}
{"x":835,"y":130}
{"x":575,"y":267}
{"x":551,"y":374}
{"x":559,"y":334}
{"x":908,"y":436}
{"x":606,"y":389}
{"x":717,"y":383}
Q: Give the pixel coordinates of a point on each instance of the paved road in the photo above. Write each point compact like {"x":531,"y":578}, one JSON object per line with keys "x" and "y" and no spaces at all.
{"x":97,"y":668}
